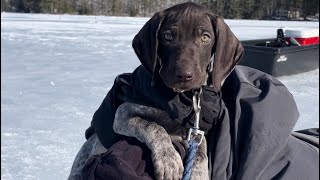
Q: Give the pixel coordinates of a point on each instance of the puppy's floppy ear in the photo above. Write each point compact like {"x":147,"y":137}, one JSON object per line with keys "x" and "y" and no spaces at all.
{"x":145,"y":43}
{"x":227,"y":51}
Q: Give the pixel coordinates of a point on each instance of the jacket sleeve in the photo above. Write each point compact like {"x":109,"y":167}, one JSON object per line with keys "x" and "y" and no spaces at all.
{"x":103,"y":118}
{"x":262,"y":114}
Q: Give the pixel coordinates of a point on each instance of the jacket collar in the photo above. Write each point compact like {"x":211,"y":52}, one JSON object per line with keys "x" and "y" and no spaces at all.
{"x":178,"y":105}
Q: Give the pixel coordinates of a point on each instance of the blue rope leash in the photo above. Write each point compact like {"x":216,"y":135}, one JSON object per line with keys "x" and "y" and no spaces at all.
{"x":192,"y":142}
{"x":191,"y":154}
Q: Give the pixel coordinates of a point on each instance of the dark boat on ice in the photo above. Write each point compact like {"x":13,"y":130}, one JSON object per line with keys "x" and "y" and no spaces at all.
{"x":295,"y":52}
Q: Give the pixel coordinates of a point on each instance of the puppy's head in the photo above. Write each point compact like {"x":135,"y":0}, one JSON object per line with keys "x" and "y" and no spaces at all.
{"x":179,"y":44}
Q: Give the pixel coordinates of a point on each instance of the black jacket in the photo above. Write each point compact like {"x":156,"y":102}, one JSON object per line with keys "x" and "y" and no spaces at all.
{"x":248,"y":124}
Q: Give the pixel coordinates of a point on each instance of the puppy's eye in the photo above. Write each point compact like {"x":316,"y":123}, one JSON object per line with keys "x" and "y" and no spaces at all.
{"x":205,"y":38}
{"x":167,"y":36}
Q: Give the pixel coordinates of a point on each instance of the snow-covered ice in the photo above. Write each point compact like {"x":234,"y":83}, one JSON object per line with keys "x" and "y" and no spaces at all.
{"x":56,"y":70}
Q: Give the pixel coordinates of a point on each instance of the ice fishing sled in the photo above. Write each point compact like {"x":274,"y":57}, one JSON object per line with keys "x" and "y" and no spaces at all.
{"x":293,"y":51}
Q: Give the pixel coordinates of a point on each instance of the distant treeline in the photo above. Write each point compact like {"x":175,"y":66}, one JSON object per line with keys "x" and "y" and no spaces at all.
{"x":231,"y":9}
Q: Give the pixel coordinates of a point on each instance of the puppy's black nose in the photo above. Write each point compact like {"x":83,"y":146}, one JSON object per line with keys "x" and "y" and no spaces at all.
{"x":185,"y":75}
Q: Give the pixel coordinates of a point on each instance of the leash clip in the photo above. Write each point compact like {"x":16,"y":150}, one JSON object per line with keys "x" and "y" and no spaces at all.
{"x":195,"y":131}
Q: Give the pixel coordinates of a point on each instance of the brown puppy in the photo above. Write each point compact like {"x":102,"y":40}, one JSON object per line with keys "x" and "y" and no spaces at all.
{"x":185,"y":47}
{"x":178,"y":44}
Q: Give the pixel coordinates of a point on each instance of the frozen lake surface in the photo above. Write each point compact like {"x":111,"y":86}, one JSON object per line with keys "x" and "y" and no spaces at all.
{"x":56,"y":70}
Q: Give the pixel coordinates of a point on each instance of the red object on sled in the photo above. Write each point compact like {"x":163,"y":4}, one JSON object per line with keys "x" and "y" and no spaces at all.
{"x":303,"y":37}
